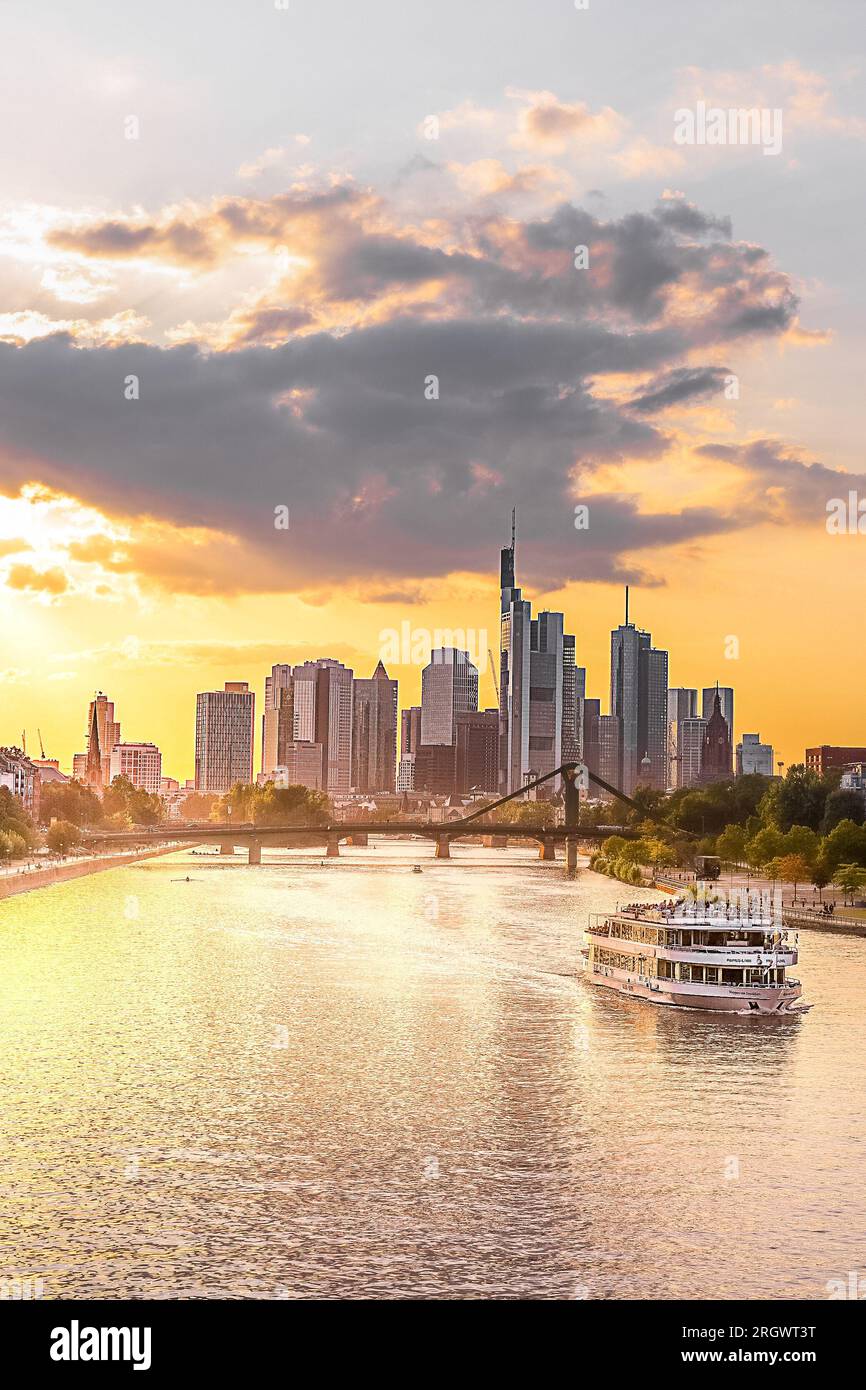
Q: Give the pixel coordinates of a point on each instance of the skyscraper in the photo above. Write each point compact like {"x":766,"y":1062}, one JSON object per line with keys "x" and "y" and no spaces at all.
{"x":477,"y":751}
{"x":374,"y":733}
{"x":514,"y":649}
{"x":224,"y":737}
{"x":538,"y":686}
{"x":323,"y":712}
{"x":449,"y":686}
{"x":609,"y":748}
{"x":682,"y":704}
{"x":690,"y":735}
{"x":278,"y":718}
{"x":590,"y":714}
{"x":410,"y":730}
{"x":546,"y":691}
{"x":638,"y":697}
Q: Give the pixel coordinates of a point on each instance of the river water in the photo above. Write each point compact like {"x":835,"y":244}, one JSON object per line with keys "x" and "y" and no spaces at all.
{"x":344,"y":1079}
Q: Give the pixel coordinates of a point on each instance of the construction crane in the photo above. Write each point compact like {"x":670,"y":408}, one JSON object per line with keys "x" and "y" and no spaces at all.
{"x":493,"y":674}
{"x":41,"y":744}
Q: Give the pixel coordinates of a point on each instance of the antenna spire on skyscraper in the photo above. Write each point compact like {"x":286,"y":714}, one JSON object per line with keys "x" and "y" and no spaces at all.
{"x":626,"y":605}
{"x":513,"y":526}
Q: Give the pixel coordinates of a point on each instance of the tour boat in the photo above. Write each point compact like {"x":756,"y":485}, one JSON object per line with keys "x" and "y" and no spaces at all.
{"x":725,"y":956}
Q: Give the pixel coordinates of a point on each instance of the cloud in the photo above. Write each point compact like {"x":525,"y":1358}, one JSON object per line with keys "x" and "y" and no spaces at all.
{"x":781,"y":482}
{"x":546,"y":122}
{"x":316,"y":398}
{"x":680,"y":386}
{"x":25,"y":577}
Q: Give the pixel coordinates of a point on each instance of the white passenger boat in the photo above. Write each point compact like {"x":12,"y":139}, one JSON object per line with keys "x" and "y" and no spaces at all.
{"x":723,"y":955}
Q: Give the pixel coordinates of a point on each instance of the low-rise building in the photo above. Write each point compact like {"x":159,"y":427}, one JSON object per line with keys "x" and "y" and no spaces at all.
{"x":754,"y":756}
{"x":827,"y":757}
{"x":21,"y":777}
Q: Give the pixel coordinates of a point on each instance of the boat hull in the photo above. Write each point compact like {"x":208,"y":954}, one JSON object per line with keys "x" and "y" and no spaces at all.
{"x":739,"y":999}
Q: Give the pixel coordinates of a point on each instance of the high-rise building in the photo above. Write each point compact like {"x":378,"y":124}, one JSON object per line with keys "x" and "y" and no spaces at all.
{"x":726,"y":700}
{"x":609,"y":748}
{"x":589,"y":715}
{"x":224,"y":737}
{"x":539,"y":686}
{"x":449,"y":686}
{"x":374,"y":733}
{"x":435,"y":768}
{"x":139,"y":763}
{"x":410,"y":730}
{"x":302,"y":766}
{"x":514,"y":658}
{"x":690,"y":735}
{"x":717,"y":760}
{"x":545,"y":696}
{"x":682,"y":704}
{"x":638,"y":697}
{"x":477,"y":751}
{"x":573,"y":691}
{"x":754,"y":756}
{"x":278,"y":718}
{"x":103,"y":732}
{"x":323,"y":710}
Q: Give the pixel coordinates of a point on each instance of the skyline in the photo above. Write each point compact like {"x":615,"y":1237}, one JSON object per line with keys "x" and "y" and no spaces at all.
{"x":428,"y":664}
{"x":220,"y":300}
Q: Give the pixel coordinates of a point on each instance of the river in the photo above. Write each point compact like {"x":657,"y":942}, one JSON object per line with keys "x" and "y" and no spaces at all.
{"x":343,"y":1079}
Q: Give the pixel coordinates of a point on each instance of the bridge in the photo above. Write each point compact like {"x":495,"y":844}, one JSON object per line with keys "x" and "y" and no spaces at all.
{"x":571,"y":832}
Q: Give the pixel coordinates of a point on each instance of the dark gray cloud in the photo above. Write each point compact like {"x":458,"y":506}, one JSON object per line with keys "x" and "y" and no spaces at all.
{"x":385,"y":486}
{"x":682,"y":384}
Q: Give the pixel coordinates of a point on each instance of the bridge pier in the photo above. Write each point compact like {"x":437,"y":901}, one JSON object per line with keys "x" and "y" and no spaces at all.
{"x":443,"y":847}
{"x":547,"y":851}
{"x":255,"y":852}
{"x":571,"y":857}
{"x":488,"y":841}
{"x":227,"y":847}
{"x":333,"y":850}
{"x":358,"y":837}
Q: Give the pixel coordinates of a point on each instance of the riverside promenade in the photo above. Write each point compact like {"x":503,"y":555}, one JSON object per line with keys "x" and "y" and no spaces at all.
{"x":20,"y":879}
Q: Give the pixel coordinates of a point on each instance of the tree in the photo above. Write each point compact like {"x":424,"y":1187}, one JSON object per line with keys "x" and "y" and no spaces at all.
{"x":197,"y":806}
{"x":798,"y":800}
{"x":125,"y":804}
{"x":768,"y":844}
{"x":801,"y":840}
{"x":794,"y":868}
{"x":842,"y":805}
{"x":612,"y":846}
{"x":61,"y":836}
{"x":15,"y":822}
{"x":849,"y":877}
{"x":69,"y":801}
{"x":249,"y":804}
{"x":731,"y":844}
{"x":821,"y":875}
{"x":846,"y":844}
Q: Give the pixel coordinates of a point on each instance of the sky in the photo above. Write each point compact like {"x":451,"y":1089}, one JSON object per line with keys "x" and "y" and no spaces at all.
{"x":389,"y":271}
